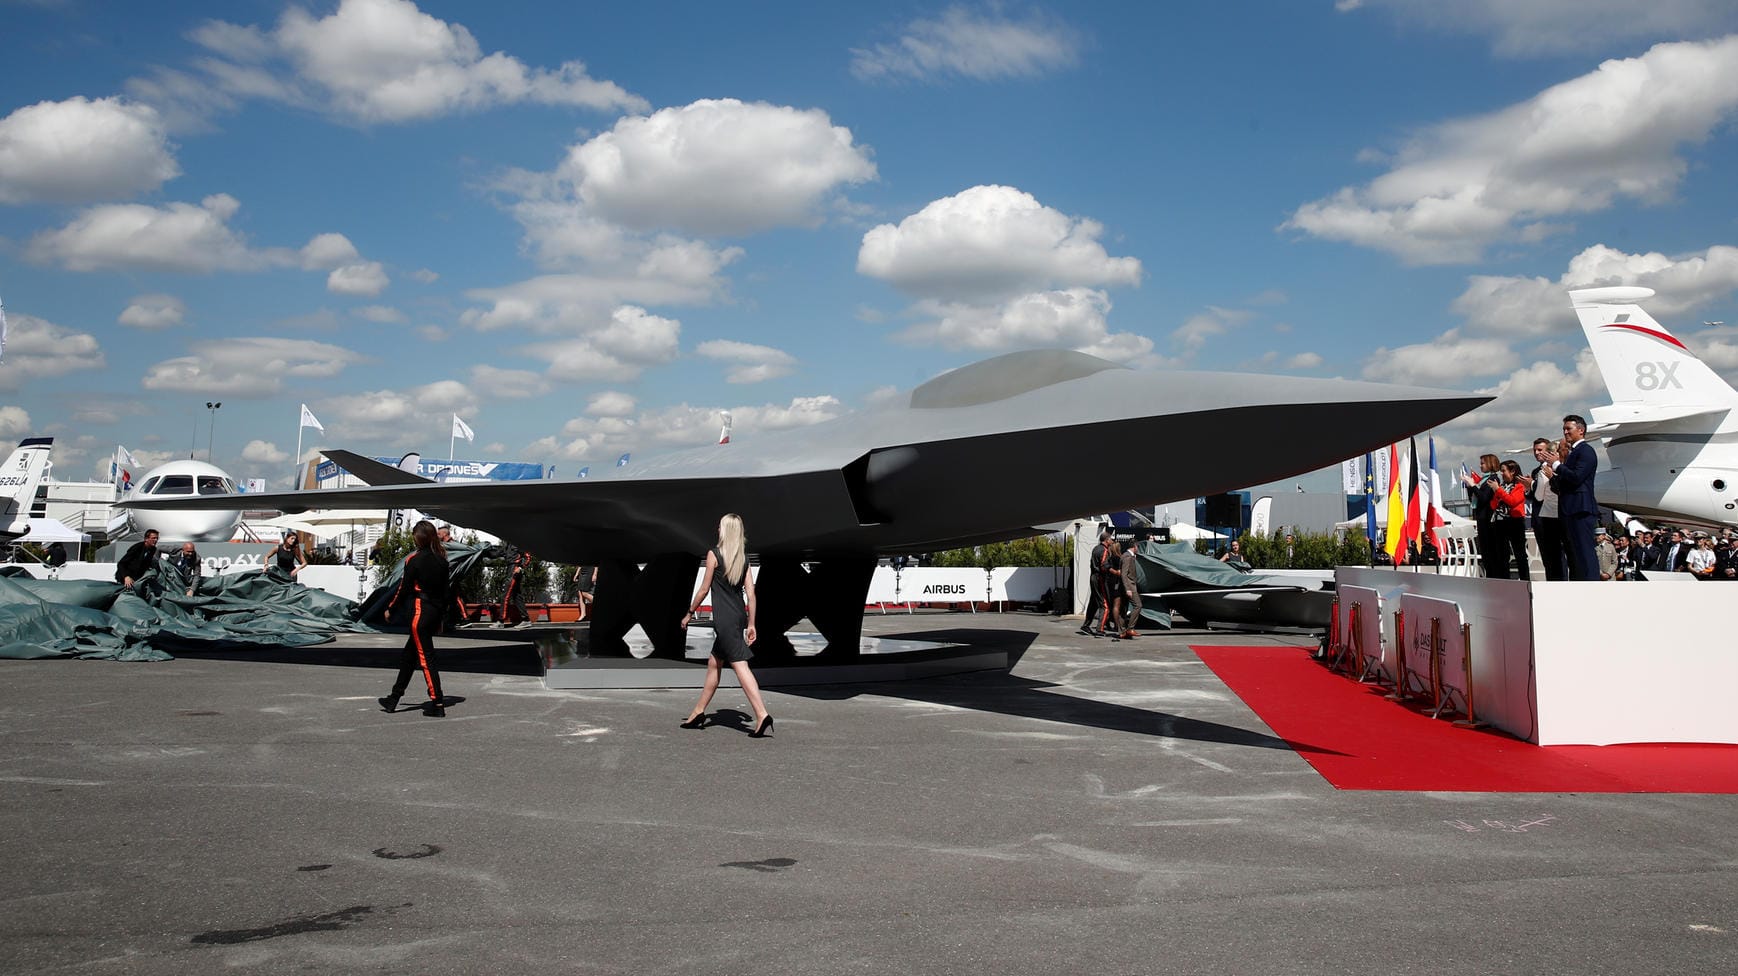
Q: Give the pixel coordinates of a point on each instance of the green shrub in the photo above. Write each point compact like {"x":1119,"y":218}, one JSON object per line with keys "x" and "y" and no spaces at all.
{"x":1038,"y":550}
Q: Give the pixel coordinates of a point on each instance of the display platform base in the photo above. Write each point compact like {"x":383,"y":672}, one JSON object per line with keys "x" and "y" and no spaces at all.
{"x":568,"y":664}
{"x":1558,"y":663}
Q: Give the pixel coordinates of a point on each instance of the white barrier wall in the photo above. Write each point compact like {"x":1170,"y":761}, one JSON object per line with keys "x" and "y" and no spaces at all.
{"x":1563,"y":663}
{"x":1634,"y":662}
{"x":1005,"y":584}
{"x":1500,"y":612}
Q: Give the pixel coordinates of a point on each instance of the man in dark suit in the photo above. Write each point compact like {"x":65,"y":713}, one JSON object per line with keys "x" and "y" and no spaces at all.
{"x":1095,"y":598}
{"x":1647,"y":554}
{"x":1572,"y":479}
{"x":1676,"y":553}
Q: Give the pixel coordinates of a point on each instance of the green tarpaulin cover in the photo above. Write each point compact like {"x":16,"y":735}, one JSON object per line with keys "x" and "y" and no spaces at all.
{"x":93,"y":619}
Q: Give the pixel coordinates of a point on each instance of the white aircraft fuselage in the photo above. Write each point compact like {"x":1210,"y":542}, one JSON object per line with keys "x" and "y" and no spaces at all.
{"x":1669,"y":439}
{"x":184,"y":479}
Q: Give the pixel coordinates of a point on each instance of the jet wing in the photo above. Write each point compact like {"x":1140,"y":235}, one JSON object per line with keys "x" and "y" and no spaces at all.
{"x":975,"y":454}
{"x":589,"y":521}
{"x":374,"y":472}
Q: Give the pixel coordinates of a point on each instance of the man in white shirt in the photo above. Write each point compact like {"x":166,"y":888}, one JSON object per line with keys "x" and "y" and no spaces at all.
{"x":1547,"y":528}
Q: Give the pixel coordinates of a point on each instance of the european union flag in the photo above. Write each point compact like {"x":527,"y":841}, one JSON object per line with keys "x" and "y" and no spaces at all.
{"x":622,"y":461}
{"x":1370,"y":499}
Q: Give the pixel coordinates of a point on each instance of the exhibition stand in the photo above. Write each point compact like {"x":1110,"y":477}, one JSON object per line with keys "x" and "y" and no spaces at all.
{"x":1554,"y":663}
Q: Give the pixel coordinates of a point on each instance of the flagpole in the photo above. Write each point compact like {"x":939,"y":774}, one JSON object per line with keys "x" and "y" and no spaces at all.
{"x":453,"y":438}
{"x":296,"y":467}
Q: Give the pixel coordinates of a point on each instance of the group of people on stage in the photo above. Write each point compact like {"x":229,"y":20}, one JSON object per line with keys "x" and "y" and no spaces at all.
{"x":1556,"y":502}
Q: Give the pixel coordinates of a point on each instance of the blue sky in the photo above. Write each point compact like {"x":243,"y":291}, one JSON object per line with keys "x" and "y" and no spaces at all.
{"x":588,"y":229}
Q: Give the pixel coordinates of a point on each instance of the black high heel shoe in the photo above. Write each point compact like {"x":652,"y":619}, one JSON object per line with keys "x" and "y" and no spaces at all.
{"x":696,"y":721}
{"x":762,"y":730}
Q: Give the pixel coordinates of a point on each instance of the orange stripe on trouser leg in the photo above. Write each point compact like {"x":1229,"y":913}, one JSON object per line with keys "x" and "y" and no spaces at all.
{"x":421,"y":655}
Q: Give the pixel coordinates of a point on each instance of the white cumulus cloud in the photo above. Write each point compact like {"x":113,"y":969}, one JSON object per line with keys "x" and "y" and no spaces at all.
{"x":1537,"y":306}
{"x":990,"y":242}
{"x":982,"y":45}
{"x":179,"y":237}
{"x":746,"y":362}
{"x":38,"y":349}
{"x":153,"y":312}
{"x":666,"y":170}
{"x":326,"y":251}
{"x":507,"y":384}
{"x":611,"y":403}
{"x":368,"y":62}
{"x":1514,"y":175}
{"x":1543,"y":27}
{"x":254,"y":366}
{"x":1443,"y":361}
{"x":264,"y":452}
{"x":14,"y":423}
{"x":82,"y":150}
{"x":401,"y":418}
{"x":367,"y":278}
{"x":621,"y":349}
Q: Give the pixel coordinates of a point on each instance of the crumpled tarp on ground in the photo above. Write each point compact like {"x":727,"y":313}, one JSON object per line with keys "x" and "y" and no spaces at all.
{"x":235,"y":611}
{"x":1167,"y":566}
{"x":97,"y":620}
{"x":1172,"y":566}
{"x":462,"y":560}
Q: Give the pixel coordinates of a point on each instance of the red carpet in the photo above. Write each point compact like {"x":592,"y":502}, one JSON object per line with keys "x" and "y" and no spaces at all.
{"x":1358,"y":740}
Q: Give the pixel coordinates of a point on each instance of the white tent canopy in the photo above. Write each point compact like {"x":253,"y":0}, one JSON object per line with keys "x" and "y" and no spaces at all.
{"x":47,"y":530}
{"x":1449,"y":518}
{"x":1184,"y":532}
{"x":327,"y":525}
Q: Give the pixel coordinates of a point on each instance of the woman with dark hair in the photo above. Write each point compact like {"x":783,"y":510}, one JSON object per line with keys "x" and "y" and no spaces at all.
{"x":1509,"y":495}
{"x":289,"y":557}
{"x":420,"y":600}
{"x":1482,"y":489}
{"x":732,"y":589}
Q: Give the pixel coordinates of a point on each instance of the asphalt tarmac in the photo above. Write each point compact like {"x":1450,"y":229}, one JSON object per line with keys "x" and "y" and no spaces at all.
{"x":1103,"y":808}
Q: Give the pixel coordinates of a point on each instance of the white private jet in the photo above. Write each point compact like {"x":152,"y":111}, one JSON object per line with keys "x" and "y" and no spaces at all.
{"x":1671,"y":431}
{"x":19,"y":476}
{"x":184,"y":479}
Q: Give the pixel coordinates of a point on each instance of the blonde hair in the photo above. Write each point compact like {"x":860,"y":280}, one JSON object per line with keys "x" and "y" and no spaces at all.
{"x":733,"y":545}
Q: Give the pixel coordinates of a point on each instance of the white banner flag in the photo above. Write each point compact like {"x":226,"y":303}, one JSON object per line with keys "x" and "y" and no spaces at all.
{"x":462,"y":429}
{"x":1352,"y":476}
{"x":125,"y":456}
{"x":308,"y":419}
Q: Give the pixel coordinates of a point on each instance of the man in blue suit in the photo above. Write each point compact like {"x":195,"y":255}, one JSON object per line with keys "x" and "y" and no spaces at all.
{"x":1572,"y":479}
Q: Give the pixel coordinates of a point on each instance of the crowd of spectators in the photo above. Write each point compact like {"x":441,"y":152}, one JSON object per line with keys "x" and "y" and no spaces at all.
{"x":1668,"y":550}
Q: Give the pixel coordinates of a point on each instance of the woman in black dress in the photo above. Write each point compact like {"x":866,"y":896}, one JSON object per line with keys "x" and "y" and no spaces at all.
{"x":420,"y":601}
{"x":288,"y":557}
{"x":732,"y":589}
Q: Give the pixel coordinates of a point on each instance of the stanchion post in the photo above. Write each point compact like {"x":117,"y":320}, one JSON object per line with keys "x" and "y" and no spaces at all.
{"x":1334,"y":647}
{"x":1400,"y":682}
{"x":1436,"y":666}
{"x":1471,"y":721}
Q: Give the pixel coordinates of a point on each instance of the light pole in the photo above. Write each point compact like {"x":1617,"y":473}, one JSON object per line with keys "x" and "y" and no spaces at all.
{"x":211,"y":433}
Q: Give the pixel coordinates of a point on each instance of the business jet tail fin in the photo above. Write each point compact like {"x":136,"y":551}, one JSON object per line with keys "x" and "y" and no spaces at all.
{"x":1652,"y":376}
{"x":22,"y":471}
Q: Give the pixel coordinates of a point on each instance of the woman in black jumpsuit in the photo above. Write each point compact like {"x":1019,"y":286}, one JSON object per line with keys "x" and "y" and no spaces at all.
{"x":421,"y":599}
{"x":732,"y":591}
